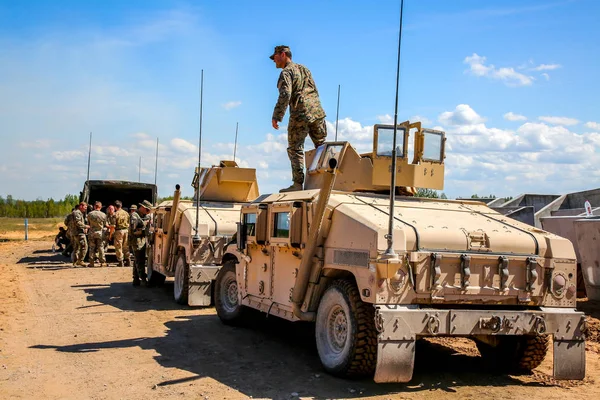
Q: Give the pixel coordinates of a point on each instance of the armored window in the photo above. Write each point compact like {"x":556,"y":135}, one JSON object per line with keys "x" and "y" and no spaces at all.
{"x":385,"y":141}
{"x":250,"y":224}
{"x":433,"y":146}
{"x":281,"y":225}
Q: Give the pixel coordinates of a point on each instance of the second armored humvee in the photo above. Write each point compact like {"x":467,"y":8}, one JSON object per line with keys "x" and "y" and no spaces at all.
{"x":448,"y":268}
{"x":189,"y":238}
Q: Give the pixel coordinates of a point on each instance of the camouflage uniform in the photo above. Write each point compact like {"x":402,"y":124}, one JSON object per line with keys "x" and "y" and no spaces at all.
{"x":111,"y":223}
{"x":80,"y":246}
{"x":297,"y":88}
{"x":68,"y":225}
{"x":121,"y":236}
{"x":137,"y":229}
{"x":97,"y":221}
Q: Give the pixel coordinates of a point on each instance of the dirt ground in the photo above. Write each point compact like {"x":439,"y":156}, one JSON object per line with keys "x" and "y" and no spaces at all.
{"x":86,"y":333}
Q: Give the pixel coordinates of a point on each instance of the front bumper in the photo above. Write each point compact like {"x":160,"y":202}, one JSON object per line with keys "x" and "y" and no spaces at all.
{"x":399,"y":327}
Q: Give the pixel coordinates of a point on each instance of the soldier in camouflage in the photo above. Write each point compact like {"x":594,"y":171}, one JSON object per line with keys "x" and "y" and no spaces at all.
{"x":79,"y":229}
{"x":138,"y":224}
{"x":121,"y":235}
{"x":298,"y":90}
{"x":97,"y":220}
{"x":69,"y":225}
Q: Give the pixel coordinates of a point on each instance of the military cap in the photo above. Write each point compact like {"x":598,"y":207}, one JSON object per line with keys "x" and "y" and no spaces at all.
{"x":146,"y":204}
{"x":280,"y":49}
{"x":133,"y":207}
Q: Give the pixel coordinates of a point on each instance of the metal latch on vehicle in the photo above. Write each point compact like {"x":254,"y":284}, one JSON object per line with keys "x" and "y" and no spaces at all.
{"x":503,"y":271}
{"x":436,"y":270}
{"x":465,"y":270}
{"x":531,"y":273}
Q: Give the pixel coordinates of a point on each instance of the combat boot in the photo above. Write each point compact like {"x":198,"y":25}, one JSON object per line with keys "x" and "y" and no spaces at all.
{"x":104,"y":265}
{"x":91,"y":265}
{"x":136,"y":282}
{"x":293,"y":188}
{"x":79,"y":264}
{"x":127,"y":263}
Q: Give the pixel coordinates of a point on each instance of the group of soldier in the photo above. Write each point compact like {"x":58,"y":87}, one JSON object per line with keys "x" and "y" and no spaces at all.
{"x":89,"y":228}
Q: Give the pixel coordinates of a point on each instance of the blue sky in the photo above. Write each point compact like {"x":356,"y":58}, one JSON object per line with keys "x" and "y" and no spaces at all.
{"x":513,"y":83}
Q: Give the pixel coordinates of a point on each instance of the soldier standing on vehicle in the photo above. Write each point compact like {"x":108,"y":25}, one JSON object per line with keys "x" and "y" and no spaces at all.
{"x":97,"y":221}
{"x":79,"y":231}
{"x":298,"y":90}
{"x":138,"y":228}
{"x":121,"y":235}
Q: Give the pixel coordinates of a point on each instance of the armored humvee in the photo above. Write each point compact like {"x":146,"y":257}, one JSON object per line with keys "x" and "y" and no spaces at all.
{"x":457,"y":268}
{"x":189,"y":239}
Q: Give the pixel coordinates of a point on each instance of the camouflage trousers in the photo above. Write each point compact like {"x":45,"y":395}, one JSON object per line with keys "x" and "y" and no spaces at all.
{"x":139,"y":267}
{"x":96,"y":244}
{"x":121,"y":241}
{"x":297,"y":132}
{"x":80,"y":247}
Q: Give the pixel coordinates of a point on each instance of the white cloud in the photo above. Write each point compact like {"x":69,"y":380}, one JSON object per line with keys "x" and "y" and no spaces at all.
{"x":462,"y":115}
{"x":183,"y":145}
{"x":425,"y":122}
{"x":116,"y":151}
{"x":263,"y":164}
{"x":559,"y":120}
{"x":511,"y":116}
{"x":67,"y":155}
{"x":232,"y":104}
{"x":592,"y":125}
{"x":141,"y":135}
{"x":546,"y":76}
{"x":36,"y":144}
{"x":546,"y":67}
{"x":509,"y":76}
{"x":385,"y":119}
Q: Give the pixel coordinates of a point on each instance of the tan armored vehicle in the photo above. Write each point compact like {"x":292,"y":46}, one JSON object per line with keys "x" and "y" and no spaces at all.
{"x":456,"y":268}
{"x":189,"y":238}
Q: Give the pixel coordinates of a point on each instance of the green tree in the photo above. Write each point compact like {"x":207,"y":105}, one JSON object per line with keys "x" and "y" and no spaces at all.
{"x":430,"y":193}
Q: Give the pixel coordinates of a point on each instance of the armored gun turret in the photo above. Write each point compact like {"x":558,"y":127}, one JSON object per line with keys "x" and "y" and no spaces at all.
{"x":189,"y":239}
{"x":455,"y":268}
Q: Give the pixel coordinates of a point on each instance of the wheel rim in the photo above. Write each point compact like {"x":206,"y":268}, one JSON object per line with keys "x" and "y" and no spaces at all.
{"x":229,"y":294}
{"x":179,"y":277}
{"x":337,"y":329}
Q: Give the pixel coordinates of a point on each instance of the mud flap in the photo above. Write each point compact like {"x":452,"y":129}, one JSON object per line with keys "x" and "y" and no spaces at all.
{"x":395,"y":361}
{"x":569,"y":359}
{"x":395,"y":346}
{"x":200,"y":288}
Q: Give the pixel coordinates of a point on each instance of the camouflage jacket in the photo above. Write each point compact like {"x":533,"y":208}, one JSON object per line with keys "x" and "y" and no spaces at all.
{"x":137,"y":228}
{"x":121,"y":219}
{"x":97,"y":220}
{"x":298,"y":90}
{"x":111,"y":220}
{"x":77,"y":223}
{"x":69,"y":223}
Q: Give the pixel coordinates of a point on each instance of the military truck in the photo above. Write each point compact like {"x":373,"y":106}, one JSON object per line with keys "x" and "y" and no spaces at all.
{"x":448,"y":268}
{"x":189,"y":239}
{"x":107,"y":191}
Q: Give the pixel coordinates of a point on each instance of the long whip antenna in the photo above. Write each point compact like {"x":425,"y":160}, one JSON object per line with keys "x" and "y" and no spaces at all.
{"x":89,"y":157}
{"x":156,"y":163}
{"x":235,"y":144}
{"x":390,"y":253}
{"x":337,"y":114}
{"x":196,"y":235}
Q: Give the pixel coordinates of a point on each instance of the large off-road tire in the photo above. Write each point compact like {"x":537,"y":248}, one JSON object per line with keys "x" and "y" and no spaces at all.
{"x":154,"y":278}
{"x":181,"y":283}
{"x":345,"y":332}
{"x":515,"y":353}
{"x":227,"y":301}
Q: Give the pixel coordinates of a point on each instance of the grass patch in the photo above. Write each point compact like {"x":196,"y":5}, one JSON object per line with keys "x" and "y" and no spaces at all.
{"x":35,"y":224}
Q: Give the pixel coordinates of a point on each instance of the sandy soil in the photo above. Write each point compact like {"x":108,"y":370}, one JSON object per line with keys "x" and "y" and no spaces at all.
{"x":85,"y":333}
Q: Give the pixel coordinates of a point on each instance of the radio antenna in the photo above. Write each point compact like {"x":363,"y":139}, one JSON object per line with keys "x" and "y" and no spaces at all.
{"x":235,"y":144}
{"x":390,"y":253}
{"x":89,"y":157}
{"x":196,"y":237}
{"x":337,"y":114}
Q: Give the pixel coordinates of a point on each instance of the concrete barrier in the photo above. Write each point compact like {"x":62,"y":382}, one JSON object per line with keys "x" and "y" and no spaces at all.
{"x":587,"y":232}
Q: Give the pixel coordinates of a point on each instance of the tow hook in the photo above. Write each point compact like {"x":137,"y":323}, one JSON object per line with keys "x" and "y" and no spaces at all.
{"x":493,"y":323}
{"x":433,"y":325}
{"x":378,"y":322}
{"x":540,"y":325}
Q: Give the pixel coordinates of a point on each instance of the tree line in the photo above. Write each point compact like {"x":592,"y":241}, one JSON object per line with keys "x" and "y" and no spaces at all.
{"x":39,"y":208}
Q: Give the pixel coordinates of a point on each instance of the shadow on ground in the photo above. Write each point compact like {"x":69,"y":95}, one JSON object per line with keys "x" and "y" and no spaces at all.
{"x":49,"y":260}
{"x":271,"y":358}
